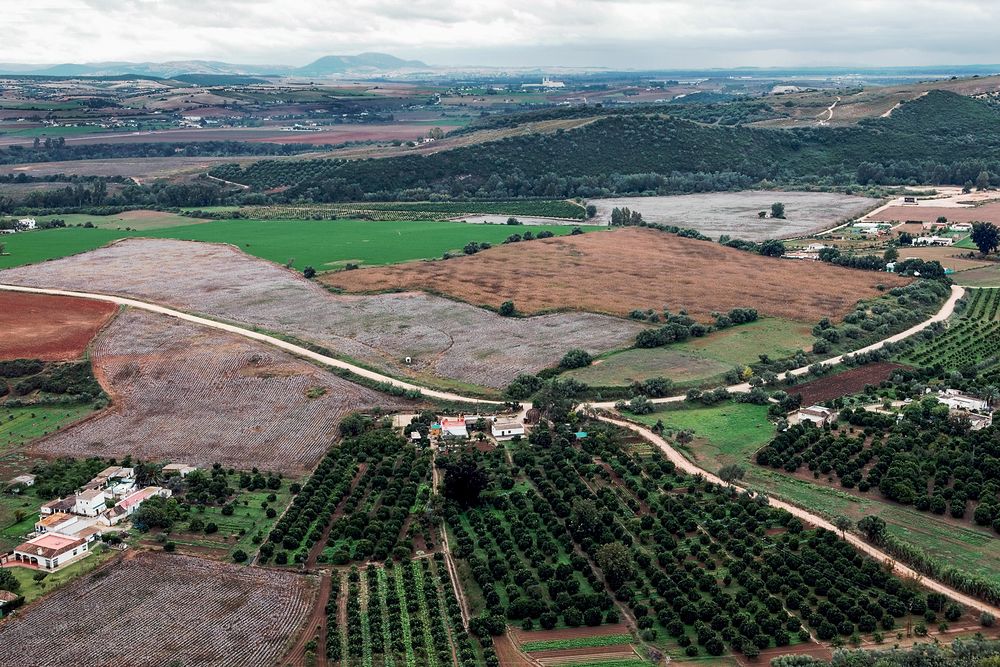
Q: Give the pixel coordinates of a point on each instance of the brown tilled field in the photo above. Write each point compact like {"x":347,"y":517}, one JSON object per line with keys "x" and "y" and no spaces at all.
{"x":443,"y":338}
{"x":988,"y":212}
{"x":628,"y":269}
{"x":51,"y":328}
{"x":187,"y":393}
{"x":155,"y":609}
{"x":843,"y":384}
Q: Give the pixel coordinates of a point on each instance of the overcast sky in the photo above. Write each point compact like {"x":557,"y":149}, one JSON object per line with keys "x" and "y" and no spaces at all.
{"x":609,"y":33}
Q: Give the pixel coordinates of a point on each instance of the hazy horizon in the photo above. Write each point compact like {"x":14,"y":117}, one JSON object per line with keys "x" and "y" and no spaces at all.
{"x":616,"y":34}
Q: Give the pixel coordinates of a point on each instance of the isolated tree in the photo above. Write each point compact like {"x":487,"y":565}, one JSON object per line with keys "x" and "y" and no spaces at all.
{"x":983,"y":180}
{"x":507,"y":309}
{"x":890,"y":254}
{"x":731,"y":473}
{"x":777,"y":210}
{"x":464,"y":481}
{"x":986,"y":236}
{"x":309,"y":272}
{"x":760,"y":214}
{"x":772,"y":248}
{"x":513,"y":222}
{"x":873,"y":527}
{"x":842,"y":523}
{"x":591,"y":210}
{"x":615,"y":562}
{"x":576,"y":358}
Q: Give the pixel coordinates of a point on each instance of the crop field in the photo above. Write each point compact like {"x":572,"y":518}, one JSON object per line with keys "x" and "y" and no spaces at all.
{"x":402,"y":614}
{"x":972,"y":340}
{"x":986,"y":212}
{"x":704,"y":573}
{"x":700,"y":359}
{"x":444,"y":339}
{"x":648,"y":268}
{"x":21,"y":425}
{"x":726,"y":433}
{"x":425,"y":210}
{"x":176,"y":388}
{"x":950,"y":257}
{"x":984,"y":277}
{"x":140,"y":220}
{"x":735,"y":213}
{"x":51,"y":328}
{"x":843,"y":383}
{"x":194,"y":611}
{"x":322,"y":244}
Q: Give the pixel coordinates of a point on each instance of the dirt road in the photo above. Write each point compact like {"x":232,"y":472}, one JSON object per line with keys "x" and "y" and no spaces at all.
{"x":901,"y":570}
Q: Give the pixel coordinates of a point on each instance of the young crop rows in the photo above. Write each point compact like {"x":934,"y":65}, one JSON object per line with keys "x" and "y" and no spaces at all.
{"x":702,"y":570}
{"x":363,"y":491}
{"x":399,"y":615}
{"x":971,"y":343}
{"x":153,"y":609}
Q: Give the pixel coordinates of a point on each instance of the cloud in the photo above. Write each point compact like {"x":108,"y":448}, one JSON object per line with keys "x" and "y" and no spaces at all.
{"x":618,"y":33}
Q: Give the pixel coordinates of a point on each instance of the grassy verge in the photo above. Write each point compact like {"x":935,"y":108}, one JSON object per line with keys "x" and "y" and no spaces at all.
{"x":21,"y":425}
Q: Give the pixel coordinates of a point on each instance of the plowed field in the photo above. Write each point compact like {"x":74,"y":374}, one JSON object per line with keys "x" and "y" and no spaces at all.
{"x":157,"y":610}
{"x":51,"y":328}
{"x":631,"y":269}
{"x":187,"y":393}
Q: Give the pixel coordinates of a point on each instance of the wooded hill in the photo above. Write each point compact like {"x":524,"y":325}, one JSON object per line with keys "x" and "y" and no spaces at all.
{"x":941,"y":138}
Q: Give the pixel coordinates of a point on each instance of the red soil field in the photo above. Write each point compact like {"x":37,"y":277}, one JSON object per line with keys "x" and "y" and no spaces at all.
{"x":843,"y":384}
{"x":51,"y":328}
{"x":989,"y":212}
{"x":628,"y":269}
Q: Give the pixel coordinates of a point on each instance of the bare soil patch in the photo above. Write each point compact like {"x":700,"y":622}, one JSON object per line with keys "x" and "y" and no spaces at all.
{"x":442,"y":338}
{"x":736,"y":213}
{"x":182,"y":392}
{"x":843,"y":384}
{"x":508,"y":654}
{"x":52,"y":328}
{"x":628,"y":269}
{"x":988,"y":212}
{"x":154,"y":609}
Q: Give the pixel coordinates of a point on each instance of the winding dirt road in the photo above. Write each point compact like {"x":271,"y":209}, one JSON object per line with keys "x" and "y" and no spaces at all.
{"x":946,"y":311}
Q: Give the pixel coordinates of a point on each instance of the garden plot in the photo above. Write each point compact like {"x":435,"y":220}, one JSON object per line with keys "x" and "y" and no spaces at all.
{"x":153,"y":609}
{"x":736,"y":213}
{"x":441,"y":337}
{"x":183,"y":392}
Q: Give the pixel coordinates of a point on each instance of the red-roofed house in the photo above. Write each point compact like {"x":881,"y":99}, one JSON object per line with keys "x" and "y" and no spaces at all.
{"x":50,"y":551}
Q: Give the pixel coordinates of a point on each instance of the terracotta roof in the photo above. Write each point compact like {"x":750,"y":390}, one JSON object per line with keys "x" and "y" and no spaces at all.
{"x":50,"y":545}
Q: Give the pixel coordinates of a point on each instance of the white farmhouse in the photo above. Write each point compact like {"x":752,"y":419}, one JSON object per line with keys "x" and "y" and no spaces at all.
{"x":90,"y":502}
{"x":956,"y":400}
{"x":507,"y":430}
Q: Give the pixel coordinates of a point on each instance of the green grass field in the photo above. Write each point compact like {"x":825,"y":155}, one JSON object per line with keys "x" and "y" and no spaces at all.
{"x":138,"y":220}
{"x":724,"y":433}
{"x":19,"y":426}
{"x":577,"y":642}
{"x":322,"y":244}
{"x":696,"y":361}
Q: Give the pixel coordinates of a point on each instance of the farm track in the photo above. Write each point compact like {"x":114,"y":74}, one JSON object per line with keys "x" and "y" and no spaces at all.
{"x":673,"y":455}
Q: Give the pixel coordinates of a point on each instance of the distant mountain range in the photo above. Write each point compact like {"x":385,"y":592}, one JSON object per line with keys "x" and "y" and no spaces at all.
{"x":363,"y":63}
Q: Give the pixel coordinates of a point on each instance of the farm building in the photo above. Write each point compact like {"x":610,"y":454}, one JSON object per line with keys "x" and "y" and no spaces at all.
{"x":507,"y":430}
{"x":934,"y":240}
{"x":9,"y":602}
{"x":130,"y":505}
{"x":50,"y":551}
{"x":90,"y":502}
{"x":956,"y":400}
{"x":23,"y":480}
{"x":977,"y":422}
{"x":454,"y":428}
{"x":816,"y":414}
{"x":24,"y":224}
{"x":962,"y":227}
{"x":56,"y":523}
{"x":180,"y":469}
{"x":932,"y":226}
{"x":58,"y":506}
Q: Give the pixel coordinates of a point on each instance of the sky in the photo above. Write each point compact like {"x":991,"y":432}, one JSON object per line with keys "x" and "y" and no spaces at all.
{"x":639,"y":34}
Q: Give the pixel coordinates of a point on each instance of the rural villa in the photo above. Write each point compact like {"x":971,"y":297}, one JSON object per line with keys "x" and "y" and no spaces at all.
{"x":66,"y":527}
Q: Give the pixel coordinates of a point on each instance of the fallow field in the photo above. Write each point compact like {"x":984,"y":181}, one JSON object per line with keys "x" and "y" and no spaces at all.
{"x":628,"y":269}
{"x":153,"y":609}
{"x":444,"y":339}
{"x":735,"y":213}
{"x":51,"y":328}
{"x":186,"y":393}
